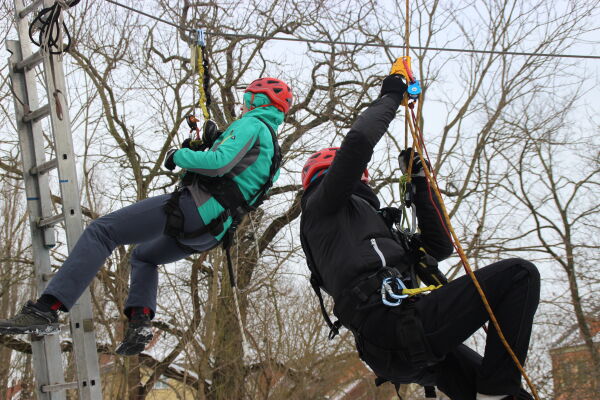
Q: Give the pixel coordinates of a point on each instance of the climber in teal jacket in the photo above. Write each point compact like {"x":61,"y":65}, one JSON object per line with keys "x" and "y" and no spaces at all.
{"x":243,"y":153}
{"x":219,"y":185}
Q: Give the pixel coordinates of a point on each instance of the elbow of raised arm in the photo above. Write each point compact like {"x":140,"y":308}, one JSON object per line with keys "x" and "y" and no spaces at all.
{"x":446,"y":251}
{"x":440,"y":249}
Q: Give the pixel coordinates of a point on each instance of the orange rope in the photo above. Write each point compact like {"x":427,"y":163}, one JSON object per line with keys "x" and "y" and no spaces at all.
{"x":417,"y":139}
{"x":407,"y":53}
{"x":407,"y":26}
{"x":419,"y":142}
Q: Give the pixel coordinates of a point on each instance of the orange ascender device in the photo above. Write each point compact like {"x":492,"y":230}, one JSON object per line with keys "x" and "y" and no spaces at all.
{"x":192,"y":122}
{"x":402,"y":66}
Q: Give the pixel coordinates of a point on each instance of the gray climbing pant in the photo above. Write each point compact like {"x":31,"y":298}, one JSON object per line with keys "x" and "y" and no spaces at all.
{"x":143,"y":224}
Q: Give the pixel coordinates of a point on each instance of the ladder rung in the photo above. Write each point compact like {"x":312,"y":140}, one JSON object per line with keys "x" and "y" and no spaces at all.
{"x":58,"y":386}
{"x":47,"y":277}
{"x":30,"y":61}
{"x":44,"y":167}
{"x":30,"y":8}
{"x":53,"y":220}
{"x":37,"y":114}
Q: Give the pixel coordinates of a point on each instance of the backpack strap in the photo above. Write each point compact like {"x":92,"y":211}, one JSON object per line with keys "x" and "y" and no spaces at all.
{"x":275,"y":164}
{"x":316,"y":283}
{"x":334,"y":327}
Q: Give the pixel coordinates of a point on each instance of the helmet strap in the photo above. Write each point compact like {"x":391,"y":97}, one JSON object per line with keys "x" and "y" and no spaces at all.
{"x":252,"y":106}
{"x":318,"y":174}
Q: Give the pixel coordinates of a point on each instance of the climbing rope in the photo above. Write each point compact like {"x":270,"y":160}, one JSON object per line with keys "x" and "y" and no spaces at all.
{"x":201,"y":78}
{"x":50,"y":34}
{"x":203,"y":74}
{"x":52,"y":30}
{"x":403,"y":67}
{"x":419,"y":145}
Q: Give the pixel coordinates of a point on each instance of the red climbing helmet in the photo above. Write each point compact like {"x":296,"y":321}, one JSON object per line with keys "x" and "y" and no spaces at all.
{"x":320,"y":161}
{"x":275,"y":89}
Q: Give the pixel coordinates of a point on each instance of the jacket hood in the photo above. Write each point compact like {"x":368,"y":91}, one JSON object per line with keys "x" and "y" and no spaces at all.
{"x":271,"y":114}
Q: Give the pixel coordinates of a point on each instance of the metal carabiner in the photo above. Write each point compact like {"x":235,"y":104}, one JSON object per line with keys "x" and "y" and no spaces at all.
{"x":413,"y":225}
{"x":200,"y":37}
{"x":387,"y":290}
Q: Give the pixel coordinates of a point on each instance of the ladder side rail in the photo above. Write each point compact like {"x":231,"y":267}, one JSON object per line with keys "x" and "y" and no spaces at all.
{"x":81,"y":317}
{"x":37,"y":138}
{"x":46,"y":350}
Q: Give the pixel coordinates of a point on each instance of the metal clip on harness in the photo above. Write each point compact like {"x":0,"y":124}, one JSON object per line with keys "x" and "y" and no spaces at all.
{"x":387,"y":292}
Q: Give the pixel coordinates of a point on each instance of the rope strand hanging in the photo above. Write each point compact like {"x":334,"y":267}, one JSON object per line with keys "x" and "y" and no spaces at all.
{"x":202,"y":68}
{"x":201,"y":78}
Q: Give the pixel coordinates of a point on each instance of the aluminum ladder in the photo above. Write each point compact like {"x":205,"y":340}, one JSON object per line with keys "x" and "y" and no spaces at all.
{"x":46,"y":350}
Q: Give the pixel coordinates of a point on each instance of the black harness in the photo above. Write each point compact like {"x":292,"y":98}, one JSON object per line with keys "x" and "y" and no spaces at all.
{"x":365,"y":294}
{"x":228,"y":194}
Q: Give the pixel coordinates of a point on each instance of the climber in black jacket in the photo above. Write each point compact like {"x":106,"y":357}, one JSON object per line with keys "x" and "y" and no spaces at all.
{"x":351,"y":250}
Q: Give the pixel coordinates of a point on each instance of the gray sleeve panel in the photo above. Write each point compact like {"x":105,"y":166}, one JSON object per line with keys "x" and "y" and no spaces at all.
{"x":249,"y":159}
{"x":226,"y":168}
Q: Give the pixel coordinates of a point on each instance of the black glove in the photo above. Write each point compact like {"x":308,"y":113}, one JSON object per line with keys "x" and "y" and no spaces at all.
{"x":393,"y":84}
{"x":417,"y":167}
{"x":391,"y":215}
{"x":192,"y":144}
{"x":428,"y":271}
{"x":169,"y":163}
{"x":210,"y":133}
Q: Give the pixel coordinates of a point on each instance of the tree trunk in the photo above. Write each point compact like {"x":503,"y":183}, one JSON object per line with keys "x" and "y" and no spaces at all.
{"x":229,"y":372}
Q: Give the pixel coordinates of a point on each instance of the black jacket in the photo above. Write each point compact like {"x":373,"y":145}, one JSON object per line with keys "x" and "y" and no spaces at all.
{"x":340,"y":228}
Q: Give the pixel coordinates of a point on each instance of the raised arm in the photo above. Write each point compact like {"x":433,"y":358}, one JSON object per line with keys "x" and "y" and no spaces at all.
{"x":357,"y":148}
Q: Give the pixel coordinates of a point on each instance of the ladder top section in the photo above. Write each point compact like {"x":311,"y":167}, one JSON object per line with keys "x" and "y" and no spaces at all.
{"x":30,"y":8}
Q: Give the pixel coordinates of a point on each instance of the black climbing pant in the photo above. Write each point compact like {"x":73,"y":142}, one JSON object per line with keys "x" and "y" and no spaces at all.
{"x":451,"y":314}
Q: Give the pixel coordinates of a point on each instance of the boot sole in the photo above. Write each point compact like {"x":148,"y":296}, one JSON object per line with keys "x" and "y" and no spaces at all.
{"x":131,"y":349}
{"x":38,"y":330}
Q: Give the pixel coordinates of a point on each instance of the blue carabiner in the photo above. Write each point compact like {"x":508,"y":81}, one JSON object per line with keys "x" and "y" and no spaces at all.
{"x":200,"y":37}
{"x":414,"y":90}
{"x":387,"y":290}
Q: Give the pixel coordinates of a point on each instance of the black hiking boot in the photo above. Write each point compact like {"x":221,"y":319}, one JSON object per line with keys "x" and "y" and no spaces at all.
{"x":31,"y":320}
{"x":137,"y":336}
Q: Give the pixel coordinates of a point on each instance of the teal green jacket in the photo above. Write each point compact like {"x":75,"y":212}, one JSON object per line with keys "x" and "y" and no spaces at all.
{"x":243,"y":153}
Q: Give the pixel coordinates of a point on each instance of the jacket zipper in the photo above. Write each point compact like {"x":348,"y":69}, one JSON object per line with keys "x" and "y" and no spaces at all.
{"x":379,"y":253}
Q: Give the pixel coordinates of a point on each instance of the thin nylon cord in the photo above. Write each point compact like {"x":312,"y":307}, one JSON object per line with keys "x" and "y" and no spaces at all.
{"x":334,"y":42}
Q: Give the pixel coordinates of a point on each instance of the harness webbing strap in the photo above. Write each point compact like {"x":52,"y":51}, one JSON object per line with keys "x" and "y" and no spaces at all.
{"x":316,"y":283}
{"x":334,"y":327}
{"x":175,"y":221}
{"x":365,"y":288}
{"x":275,"y":164}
